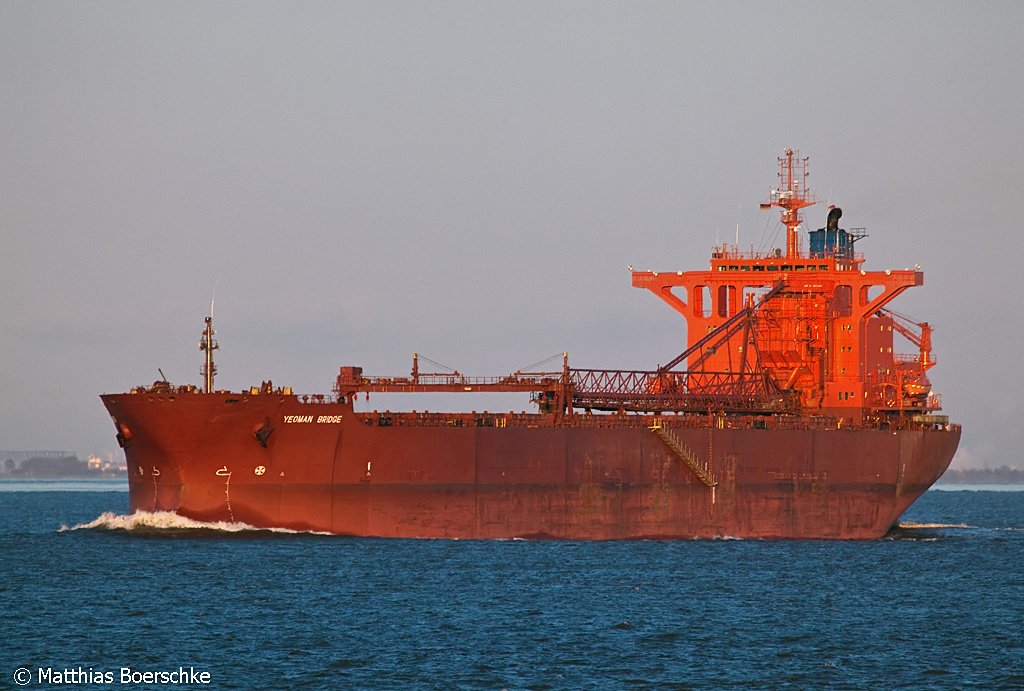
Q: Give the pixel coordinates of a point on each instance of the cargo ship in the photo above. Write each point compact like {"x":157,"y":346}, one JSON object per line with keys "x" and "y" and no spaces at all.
{"x":788,"y":414}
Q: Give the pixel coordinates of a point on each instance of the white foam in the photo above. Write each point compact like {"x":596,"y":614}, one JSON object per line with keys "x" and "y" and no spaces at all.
{"x":959,"y":526}
{"x":170,"y":521}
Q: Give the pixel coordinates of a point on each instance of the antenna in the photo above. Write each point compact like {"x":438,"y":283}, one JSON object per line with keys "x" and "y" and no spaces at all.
{"x":737,"y":227}
{"x":791,"y":195}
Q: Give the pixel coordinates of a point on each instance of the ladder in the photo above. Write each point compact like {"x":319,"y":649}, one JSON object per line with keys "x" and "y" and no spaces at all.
{"x":700,"y":469}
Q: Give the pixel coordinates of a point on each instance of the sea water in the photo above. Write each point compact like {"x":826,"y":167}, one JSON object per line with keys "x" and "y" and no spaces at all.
{"x":92,"y":597}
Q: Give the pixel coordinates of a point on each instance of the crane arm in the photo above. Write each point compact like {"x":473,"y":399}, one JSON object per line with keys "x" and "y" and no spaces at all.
{"x":918,"y":333}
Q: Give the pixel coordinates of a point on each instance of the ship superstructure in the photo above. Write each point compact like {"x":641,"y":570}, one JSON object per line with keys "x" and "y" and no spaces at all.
{"x":825,"y":336}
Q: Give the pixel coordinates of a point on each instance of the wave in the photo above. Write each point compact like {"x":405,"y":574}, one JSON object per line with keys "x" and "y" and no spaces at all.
{"x":961,"y":526}
{"x":925,"y":531}
{"x":171,"y":523}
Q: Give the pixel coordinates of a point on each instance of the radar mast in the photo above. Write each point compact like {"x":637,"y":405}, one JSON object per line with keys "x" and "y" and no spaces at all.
{"x":791,"y":195}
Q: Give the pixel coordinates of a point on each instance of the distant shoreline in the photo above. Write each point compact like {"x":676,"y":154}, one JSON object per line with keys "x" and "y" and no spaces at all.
{"x":1003,"y":475}
{"x":95,"y":484}
{"x":58,"y":465}
{"x":65,"y":478}
{"x":72,"y":476}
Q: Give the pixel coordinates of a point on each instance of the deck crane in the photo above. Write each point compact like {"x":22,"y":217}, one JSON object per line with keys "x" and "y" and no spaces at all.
{"x":918,"y":333}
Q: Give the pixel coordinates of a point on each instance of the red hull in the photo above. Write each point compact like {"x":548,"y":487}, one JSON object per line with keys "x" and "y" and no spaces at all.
{"x":326,"y":468}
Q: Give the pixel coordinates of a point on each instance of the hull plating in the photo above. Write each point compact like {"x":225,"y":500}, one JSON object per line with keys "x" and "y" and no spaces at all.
{"x":326,"y":468}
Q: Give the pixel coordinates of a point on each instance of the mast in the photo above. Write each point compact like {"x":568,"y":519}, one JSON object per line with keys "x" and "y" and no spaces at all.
{"x":791,"y":196}
{"x":208,"y":345}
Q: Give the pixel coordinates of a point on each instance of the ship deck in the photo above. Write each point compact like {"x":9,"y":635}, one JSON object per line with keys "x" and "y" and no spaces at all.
{"x":388,"y":418}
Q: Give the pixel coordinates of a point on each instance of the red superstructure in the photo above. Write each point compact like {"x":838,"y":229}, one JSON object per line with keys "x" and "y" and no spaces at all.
{"x":788,"y":414}
{"x":825,"y":336}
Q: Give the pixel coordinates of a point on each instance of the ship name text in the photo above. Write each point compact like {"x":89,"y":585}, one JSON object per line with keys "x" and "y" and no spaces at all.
{"x":804,"y":477}
{"x":307,"y":419}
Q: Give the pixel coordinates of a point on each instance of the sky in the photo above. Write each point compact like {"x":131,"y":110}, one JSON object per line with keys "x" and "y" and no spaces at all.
{"x":357,"y":181}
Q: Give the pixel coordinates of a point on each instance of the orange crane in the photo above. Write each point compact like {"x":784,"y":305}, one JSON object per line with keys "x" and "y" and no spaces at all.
{"x":918,"y":333}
